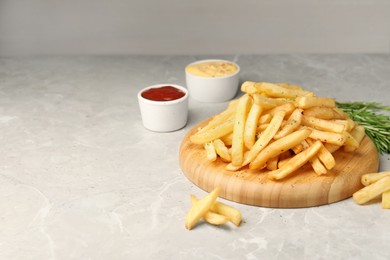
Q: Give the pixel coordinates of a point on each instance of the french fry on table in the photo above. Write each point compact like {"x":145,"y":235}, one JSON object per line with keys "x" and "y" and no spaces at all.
{"x":199,"y":209}
{"x":370,"y":178}
{"x":386,"y":199}
{"x":211,"y":217}
{"x":372,"y":191}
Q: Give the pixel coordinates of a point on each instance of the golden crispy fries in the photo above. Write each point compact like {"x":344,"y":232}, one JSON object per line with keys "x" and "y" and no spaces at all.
{"x":288,"y":108}
{"x":233,"y":214}
{"x":222,"y":150}
{"x":278,"y":147}
{"x":213,"y":133}
{"x":268,"y":103}
{"x":307,"y":102}
{"x":315,"y":162}
{"x":324,"y":155}
{"x":295,"y":162}
{"x":322,"y":124}
{"x":274,"y":90}
{"x":227,"y":139}
{"x":358,"y":133}
{"x":293,"y":123}
{"x":372,"y":191}
{"x":199,"y":209}
{"x":210,"y":151}
{"x":211,"y":217}
{"x":251,"y":125}
{"x":264,"y":119}
{"x":272,"y":163}
{"x":323,"y":113}
{"x":264,"y":138}
{"x":370,"y":178}
{"x":328,"y":137}
{"x":238,"y":131}
{"x":290,"y":86}
{"x":386,"y":199}
{"x":276,"y":126}
{"x":350,"y":142}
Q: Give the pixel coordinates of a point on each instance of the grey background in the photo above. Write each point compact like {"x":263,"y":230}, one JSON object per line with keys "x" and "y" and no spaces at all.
{"x":30,"y":27}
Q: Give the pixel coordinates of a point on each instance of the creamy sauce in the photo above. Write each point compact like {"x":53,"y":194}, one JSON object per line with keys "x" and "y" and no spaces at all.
{"x":212,"y":69}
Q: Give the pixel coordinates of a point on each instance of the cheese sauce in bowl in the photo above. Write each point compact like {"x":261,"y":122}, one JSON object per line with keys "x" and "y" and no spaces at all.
{"x":212,"y":80}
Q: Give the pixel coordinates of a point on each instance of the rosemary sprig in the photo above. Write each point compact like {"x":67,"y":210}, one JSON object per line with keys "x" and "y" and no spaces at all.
{"x":377,"y":125}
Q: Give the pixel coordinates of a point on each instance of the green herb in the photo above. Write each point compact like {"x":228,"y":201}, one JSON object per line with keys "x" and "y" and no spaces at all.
{"x":377,"y":125}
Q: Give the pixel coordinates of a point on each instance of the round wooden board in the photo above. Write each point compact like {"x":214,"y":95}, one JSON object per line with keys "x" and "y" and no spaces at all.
{"x":303,"y":189}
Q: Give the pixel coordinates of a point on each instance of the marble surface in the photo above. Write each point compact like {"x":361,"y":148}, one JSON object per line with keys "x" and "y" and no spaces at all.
{"x":81,"y":178}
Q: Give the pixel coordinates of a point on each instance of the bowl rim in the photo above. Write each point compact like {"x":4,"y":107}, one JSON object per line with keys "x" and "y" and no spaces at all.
{"x":163,"y":103}
{"x":211,"y":60}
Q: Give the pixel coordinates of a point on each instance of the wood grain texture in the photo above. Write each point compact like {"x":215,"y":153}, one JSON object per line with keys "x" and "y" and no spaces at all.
{"x":303,"y":189}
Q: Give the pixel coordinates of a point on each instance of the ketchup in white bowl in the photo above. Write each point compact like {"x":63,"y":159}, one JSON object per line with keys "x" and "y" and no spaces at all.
{"x":164,"y":93}
{"x":164,"y":107}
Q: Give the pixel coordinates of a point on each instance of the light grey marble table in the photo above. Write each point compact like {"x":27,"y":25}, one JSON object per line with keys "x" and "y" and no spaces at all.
{"x":80,"y":178}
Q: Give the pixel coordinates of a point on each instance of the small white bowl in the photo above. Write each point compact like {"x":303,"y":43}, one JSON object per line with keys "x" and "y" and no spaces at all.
{"x":164,"y":116}
{"x":213,"y":89}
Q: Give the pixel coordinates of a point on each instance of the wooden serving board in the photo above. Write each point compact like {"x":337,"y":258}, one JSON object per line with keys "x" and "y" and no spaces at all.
{"x":303,"y":189}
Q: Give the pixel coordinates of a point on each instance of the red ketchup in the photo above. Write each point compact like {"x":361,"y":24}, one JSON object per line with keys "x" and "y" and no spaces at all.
{"x":165,"y":93}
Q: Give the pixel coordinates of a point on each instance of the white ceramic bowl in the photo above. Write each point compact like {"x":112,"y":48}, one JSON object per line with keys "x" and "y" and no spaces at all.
{"x":164,"y":116}
{"x":217,"y":89}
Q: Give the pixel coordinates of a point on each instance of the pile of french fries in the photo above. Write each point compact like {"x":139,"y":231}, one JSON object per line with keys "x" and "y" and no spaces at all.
{"x":376,"y":184}
{"x":212,"y":211}
{"x":278,"y":128}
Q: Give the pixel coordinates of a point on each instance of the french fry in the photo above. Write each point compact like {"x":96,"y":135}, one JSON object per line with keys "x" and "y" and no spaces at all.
{"x":233,"y":214}
{"x":288,"y":108}
{"x":277,"y":91}
{"x":370,"y":178}
{"x":272,"y":163}
{"x":386,"y":200}
{"x":323,"y":113}
{"x":324,"y":155}
{"x":307,"y":102}
{"x":328,"y":137}
{"x":372,"y":191}
{"x":213,"y":133}
{"x":210,"y":151}
{"x":227,"y":139}
{"x":293,"y":123}
{"x":315,"y":162}
{"x":251,"y":125}
{"x":278,"y":147}
{"x":358,"y":133}
{"x":219,"y":119}
{"x":322,"y":124}
{"x":350,"y":142}
{"x":295,"y":162}
{"x":238,"y":131}
{"x":265,"y":119}
{"x":199,"y":209}
{"x":222,"y":150}
{"x":211,"y":217}
{"x":283,"y":158}
{"x":290,"y":86}
{"x":266,"y":102}
{"x":264,"y":138}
